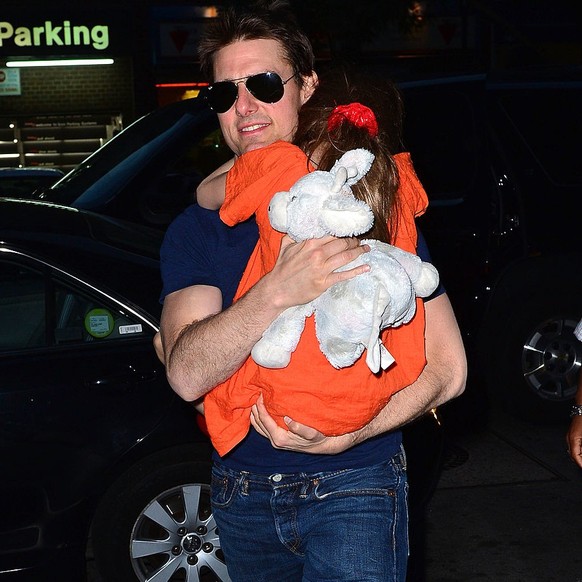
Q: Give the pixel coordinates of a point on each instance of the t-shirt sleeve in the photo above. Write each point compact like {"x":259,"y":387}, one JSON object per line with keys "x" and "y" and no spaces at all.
{"x":257,"y":175}
{"x":199,"y":249}
{"x":184,"y":256}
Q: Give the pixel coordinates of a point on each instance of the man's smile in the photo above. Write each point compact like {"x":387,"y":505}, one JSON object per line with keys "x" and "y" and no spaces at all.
{"x":253,"y":127}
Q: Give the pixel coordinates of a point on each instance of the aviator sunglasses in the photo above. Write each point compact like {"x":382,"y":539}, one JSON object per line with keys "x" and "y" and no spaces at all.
{"x":266,"y":87}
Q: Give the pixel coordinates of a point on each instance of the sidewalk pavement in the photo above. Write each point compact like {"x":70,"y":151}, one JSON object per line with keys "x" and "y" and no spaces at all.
{"x":508,"y":507}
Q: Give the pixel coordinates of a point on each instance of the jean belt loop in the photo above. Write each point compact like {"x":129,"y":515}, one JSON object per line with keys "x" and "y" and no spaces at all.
{"x":244,"y":482}
{"x":307,"y":485}
{"x":402,"y":457}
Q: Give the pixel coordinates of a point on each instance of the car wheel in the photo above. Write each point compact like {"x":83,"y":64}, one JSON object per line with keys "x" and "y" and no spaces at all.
{"x":539,"y":359}
{"x":155,"y":523}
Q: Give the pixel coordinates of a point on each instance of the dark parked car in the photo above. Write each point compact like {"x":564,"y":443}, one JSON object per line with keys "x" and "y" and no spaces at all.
{"x":148,"y":172}
{"x":24,"y":182}
{"x":99,"y":458}
{"x":500,"y":160}
{"x":92,"y":438}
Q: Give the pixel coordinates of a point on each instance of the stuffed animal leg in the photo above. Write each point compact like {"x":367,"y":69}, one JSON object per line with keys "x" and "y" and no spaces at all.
{"x":280,"y":339}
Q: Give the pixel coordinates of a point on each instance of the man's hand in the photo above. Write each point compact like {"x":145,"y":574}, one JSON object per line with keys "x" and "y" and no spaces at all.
{"x":306,"y":269}
{"x":299,"y":438}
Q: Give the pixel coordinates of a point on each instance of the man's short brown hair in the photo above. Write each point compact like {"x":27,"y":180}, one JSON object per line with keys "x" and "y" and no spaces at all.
{"x":272,"y":20}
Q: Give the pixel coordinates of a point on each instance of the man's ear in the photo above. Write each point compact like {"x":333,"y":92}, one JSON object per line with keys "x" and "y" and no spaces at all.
{"x":310,"y":83}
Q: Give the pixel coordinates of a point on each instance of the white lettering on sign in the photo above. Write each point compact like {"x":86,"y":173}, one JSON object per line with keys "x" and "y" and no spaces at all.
{"x":50,"y":35}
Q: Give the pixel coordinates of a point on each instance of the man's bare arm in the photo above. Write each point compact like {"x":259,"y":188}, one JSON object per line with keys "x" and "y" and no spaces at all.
{"x":210,"y":192}
{"x":574,"y":434}
{"x":442,"y":379}
{"x":202,"y":346}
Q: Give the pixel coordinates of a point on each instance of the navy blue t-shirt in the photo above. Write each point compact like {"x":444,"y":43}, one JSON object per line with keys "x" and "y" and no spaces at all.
{"x":199,"y":249}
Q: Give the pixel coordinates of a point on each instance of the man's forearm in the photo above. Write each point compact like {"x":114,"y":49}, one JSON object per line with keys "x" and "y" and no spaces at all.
{"x":213,"y":344}
{"x":574,"y":434}
{"x":208,"y":352}
{"x":442,"y":379}
{"x":429,"y":391}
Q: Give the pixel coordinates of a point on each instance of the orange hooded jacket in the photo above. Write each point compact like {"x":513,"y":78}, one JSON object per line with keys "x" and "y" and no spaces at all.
{"x":309,"y":390}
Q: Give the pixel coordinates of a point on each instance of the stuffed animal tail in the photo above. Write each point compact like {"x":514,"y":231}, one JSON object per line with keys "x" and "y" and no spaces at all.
{"x":377,"y":356}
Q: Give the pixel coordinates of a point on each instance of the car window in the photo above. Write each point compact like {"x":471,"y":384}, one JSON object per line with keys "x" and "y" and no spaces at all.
{"x":24,"y":186}
{"x":22,"y":307}
{"x":148,"y":172}
{"x":37,"y":310}
{"x":162,"y":195}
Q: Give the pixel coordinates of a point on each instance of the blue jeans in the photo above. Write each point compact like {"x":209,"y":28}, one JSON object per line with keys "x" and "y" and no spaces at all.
{"x":341,"y":526}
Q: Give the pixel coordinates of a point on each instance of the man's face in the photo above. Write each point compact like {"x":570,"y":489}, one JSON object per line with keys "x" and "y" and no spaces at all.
{"x":251,"y":124}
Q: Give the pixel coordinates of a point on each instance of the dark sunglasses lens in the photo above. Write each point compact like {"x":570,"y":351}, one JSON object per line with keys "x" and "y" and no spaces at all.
{"x":221,"y":96}
{"x":266,"y":87}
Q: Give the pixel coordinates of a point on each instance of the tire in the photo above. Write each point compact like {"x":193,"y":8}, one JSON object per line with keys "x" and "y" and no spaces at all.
{"x":534,"y":358}
{"x":156,"y":517}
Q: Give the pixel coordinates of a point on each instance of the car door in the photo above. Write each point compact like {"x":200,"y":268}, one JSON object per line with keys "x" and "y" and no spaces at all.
{"x":80,"y":387}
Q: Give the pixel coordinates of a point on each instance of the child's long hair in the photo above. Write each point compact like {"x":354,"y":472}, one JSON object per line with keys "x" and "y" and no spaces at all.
{"x":326,"y":144}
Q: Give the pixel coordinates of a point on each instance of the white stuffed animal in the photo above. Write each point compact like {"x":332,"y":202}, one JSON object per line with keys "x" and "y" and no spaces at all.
{"x":350,"y":315}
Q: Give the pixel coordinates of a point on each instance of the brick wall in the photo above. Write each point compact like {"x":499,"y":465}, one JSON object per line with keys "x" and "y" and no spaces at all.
{"x":89,"y":89}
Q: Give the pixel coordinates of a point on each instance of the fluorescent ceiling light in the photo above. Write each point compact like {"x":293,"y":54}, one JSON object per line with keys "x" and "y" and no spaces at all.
{"x":173,"y":85}
{"x":59,"y":63}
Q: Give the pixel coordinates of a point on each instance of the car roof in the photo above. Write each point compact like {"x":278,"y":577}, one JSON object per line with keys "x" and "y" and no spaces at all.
{"x":566,"y":76}
{"x":542,"y":76}
{"x":106,"y":252}
{"x":30,"y":219}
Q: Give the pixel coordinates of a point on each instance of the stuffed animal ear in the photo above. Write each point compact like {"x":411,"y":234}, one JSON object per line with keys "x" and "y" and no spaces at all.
{"x":346,"y":216}
{"x":357,"y":163}
{"x":340,"y":178}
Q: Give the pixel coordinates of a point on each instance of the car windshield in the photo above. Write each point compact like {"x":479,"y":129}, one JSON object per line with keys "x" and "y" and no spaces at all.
{"x":121,"y":173}
{"x":99,"y":170}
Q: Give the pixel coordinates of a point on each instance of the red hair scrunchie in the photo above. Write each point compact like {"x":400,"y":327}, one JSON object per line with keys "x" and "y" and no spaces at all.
{"x":357,"y":114}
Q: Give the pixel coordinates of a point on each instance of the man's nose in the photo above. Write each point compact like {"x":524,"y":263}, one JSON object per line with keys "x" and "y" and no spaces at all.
{"x":245,"y":103}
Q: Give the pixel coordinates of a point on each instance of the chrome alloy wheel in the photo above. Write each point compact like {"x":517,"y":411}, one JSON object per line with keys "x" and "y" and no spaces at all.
{"x":551,"y":360}
{"x":175,"y":538}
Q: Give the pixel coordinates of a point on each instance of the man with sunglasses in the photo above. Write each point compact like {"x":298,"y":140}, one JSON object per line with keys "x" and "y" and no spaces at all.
{"x":314,"y":507}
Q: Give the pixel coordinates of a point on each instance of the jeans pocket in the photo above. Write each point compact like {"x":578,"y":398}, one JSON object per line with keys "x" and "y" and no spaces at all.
{"x":223,"y":487}
{"x":385,"y":480}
